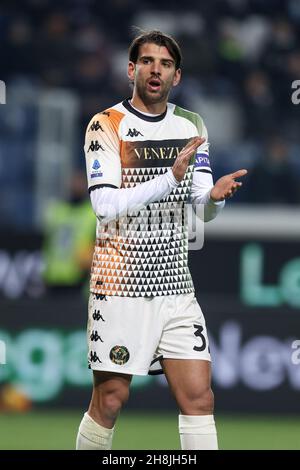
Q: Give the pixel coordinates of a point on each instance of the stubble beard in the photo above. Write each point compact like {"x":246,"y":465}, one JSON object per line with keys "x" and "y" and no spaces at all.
{"x":153,"y":98}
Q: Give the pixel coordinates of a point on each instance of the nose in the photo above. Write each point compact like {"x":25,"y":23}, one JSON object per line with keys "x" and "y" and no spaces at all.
{"x":156,"y":68}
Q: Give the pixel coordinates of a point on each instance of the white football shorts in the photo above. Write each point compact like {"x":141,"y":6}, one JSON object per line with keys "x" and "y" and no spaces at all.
{"x":131,"y":335}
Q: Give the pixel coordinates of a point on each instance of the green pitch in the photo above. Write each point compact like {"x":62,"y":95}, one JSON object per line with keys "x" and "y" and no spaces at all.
{"x":57,"y":430}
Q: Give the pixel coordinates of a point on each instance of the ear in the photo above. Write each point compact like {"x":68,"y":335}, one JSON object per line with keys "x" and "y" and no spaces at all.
{"x":131,"y":71}
{"x":177,"y":77}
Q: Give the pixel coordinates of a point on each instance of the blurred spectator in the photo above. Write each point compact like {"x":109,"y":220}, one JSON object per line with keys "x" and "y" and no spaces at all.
{"x":242,"y":52}
{"x":19,"y":39}
{"x":273,"y":180}
{"x":69,"y":238}
{"x":55,"y":50}
{"x":260,"y":114}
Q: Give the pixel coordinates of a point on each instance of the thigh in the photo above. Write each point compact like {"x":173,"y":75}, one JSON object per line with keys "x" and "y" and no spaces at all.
{"x":184,"y":335}
{"x":103,"y":379}
{"x":111,"y":383}
{"x":122,"y":334}
{"x":187,"y":377}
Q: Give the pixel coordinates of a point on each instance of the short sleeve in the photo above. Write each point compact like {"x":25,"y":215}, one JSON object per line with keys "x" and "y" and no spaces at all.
{"x":202,"y":161}
{"x":102,"y":150}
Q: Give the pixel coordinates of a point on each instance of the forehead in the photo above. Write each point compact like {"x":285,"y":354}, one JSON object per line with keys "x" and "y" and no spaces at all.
{"x":154,"y":50}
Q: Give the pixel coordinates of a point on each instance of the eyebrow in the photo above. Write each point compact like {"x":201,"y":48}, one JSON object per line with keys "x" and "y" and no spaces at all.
{"x":162,"y":59}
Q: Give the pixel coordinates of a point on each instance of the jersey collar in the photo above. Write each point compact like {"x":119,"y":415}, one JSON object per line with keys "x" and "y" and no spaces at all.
{"x":129,"y":108}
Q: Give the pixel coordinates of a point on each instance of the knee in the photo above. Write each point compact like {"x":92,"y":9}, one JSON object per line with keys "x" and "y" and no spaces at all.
{"x":199,"y":402}
{"x":107,"y":403}
{"x":112,"y":401}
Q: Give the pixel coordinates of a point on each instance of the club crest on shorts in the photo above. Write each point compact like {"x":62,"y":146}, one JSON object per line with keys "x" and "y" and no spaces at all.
{"x":119,"y":355}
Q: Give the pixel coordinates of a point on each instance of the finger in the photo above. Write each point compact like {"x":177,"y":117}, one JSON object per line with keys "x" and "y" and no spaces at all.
{"x":239,"y":173}
{"x":234,"y":189}
{"x":194,"y":147}
{"x":190,"y":143}
{"x":237,"y":185}
{"x":187,"y":153}
{"x":195,"y":142}
{"x":199,"y":141}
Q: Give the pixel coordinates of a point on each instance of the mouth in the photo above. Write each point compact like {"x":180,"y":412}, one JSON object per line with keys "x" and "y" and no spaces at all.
{"x":154,"y":84}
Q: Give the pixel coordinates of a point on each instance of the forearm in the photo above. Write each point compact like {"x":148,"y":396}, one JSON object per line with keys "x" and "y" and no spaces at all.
{"x":211,"y":208}
{"x":110,"y":203}
{"x":200,"y":194}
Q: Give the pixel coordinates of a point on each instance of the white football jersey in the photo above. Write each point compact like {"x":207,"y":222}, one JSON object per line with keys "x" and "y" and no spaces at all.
{"x":146,"y":252}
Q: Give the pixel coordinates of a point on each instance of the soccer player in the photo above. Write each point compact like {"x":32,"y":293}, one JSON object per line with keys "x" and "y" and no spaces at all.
{"x":146,"y":158}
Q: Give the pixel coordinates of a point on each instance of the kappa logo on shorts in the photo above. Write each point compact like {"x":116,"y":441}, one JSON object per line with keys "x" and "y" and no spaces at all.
{"x":97,"y":316}
{"x":95,"y":336}
{"x":119,"y":355}
{"x":94,"y":357}
{"x":100,"y":296}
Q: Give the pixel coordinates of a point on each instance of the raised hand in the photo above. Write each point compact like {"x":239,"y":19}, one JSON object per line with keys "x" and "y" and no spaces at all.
{"x":183,"y":159}
{"x":226,"y":186}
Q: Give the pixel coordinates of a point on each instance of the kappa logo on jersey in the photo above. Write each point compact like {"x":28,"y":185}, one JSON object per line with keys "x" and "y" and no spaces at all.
{"x":95,"y":146}
{"x":106,"y":113}
{"x":95,"y":126}
{"x":119,"y":355}
{"x":202,"y":161}
{"x":133,"y":133}
{"x":96,"y":165}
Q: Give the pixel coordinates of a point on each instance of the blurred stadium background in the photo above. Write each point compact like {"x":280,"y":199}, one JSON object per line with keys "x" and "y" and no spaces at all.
{"x":64,"y":61}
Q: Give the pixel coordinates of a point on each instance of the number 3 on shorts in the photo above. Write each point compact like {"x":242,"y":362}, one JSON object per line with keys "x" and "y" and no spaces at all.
{"x":199,"y":334}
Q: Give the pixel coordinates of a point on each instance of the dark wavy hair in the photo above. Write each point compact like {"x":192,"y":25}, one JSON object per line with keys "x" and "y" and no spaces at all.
{"x":159,"y":38}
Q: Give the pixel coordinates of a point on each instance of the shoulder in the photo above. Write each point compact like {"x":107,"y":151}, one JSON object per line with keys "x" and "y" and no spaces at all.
{"x":193,"y":118}
{"x":110,"y":118}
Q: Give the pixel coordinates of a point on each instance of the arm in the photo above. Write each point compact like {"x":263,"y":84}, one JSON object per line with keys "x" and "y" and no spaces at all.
{"x":201,"y":194}
{"x":203,"y":189}
{"x":109,"y":203}
{"x":203,"y":180}
{"x":104,"y":171}
{"x":102,"y":150}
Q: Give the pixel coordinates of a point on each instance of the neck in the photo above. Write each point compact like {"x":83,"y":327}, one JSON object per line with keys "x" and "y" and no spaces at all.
{"x":151,"y":108}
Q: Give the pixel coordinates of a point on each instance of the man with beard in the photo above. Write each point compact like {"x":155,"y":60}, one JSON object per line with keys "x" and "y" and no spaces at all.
{"x":146,"y":158}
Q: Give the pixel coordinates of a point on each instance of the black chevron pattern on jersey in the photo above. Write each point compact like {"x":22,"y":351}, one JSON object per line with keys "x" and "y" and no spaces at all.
{"x":149,"y":256}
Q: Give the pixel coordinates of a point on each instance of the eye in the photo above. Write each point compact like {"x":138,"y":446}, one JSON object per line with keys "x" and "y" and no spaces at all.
{"x":167,"y":64}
